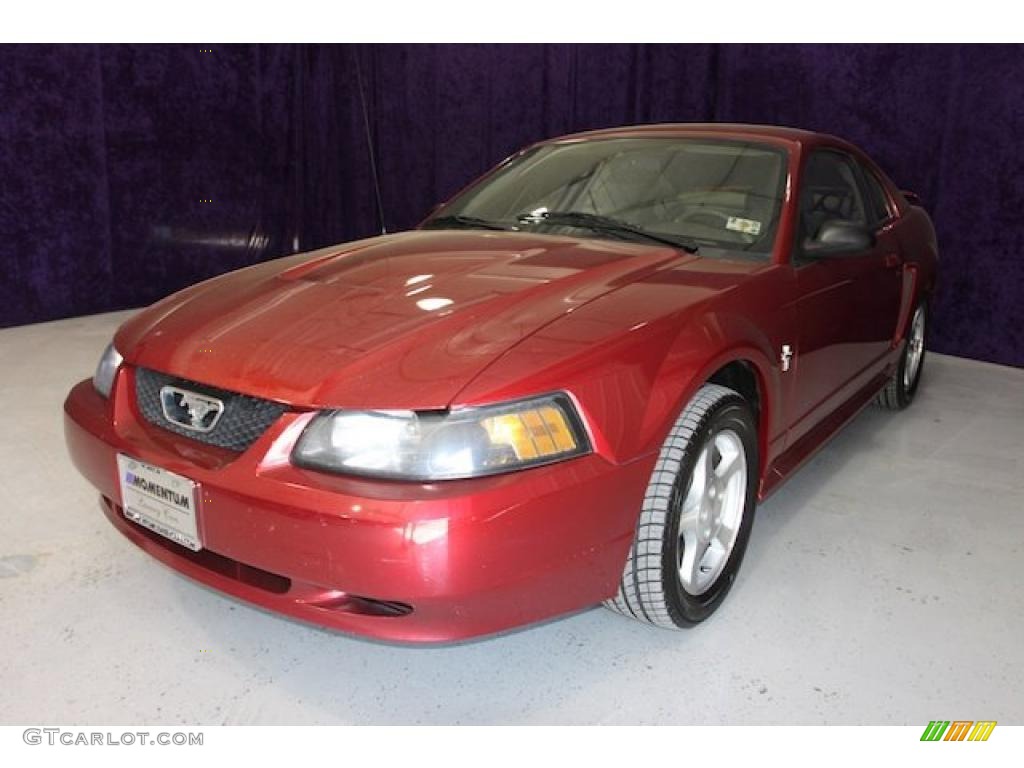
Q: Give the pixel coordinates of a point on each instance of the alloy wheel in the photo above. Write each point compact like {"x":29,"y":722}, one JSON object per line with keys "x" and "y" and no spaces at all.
{"x":712,"y":511}
{"x":915,"y":349}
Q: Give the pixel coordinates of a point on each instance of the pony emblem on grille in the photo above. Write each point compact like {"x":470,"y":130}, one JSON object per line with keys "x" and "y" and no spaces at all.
{"x":190,"y":410}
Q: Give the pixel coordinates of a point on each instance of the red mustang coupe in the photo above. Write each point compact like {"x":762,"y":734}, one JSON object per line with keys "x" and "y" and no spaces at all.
{"x":571,"y":384}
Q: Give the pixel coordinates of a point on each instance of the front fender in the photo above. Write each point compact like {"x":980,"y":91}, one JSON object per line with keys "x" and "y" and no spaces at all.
{"x":706,"y":345}
{"x":632,"y":365}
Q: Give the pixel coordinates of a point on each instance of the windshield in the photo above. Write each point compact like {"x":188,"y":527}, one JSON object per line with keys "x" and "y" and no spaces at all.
{"x":726,"y":194}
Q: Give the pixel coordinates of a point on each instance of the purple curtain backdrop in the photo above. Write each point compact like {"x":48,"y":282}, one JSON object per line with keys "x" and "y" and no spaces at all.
{"x":108,"y":153}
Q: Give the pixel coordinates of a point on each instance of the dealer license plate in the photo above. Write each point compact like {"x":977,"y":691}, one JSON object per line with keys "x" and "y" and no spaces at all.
{"x":159,"y":500}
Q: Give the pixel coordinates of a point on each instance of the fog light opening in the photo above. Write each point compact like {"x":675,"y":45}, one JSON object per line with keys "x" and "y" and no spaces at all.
{"x":343,"y":602}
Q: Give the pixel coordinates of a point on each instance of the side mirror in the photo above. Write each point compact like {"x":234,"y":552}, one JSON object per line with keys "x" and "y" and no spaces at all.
{"x":837,"y":237}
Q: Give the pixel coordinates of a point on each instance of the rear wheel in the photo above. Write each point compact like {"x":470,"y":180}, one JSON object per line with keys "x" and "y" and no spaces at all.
{"x":696,"y":514}
{"x":902,"y":387}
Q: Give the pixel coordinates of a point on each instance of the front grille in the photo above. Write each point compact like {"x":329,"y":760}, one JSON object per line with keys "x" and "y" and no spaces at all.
{"x":244,"y":419}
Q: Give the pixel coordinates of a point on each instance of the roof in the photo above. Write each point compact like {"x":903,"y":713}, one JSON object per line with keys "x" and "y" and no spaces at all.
{"x":734,"y":130}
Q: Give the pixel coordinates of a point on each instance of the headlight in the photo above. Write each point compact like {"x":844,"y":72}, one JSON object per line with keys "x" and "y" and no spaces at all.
{"x":467,"y":442}
{"x":103,"y":379}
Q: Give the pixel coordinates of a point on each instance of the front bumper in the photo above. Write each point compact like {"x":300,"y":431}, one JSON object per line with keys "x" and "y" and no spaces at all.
{"x":396,"y":561}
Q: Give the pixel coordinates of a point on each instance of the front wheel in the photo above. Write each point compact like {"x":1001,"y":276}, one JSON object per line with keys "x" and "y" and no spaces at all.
{"x":900,"y":390}
{"x":696,"y":515}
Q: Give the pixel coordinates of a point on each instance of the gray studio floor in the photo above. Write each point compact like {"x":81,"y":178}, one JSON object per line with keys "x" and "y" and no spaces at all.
{"x":882,"y":585}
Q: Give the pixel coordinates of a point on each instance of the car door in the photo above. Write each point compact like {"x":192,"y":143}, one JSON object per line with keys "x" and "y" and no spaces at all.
{"x":847,"y":303}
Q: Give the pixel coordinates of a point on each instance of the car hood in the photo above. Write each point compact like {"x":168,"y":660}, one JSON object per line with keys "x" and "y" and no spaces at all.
{"x":400,"y":321}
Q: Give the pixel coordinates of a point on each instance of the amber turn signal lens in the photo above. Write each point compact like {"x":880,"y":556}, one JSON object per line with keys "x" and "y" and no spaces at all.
{"x":533,"y":433}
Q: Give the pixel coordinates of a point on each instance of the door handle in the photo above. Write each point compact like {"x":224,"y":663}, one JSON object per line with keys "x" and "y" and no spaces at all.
{"x":892,"y":260}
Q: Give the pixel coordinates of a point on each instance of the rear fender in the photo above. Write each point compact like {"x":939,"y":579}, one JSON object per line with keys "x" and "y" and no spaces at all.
{"x":908,"y":298}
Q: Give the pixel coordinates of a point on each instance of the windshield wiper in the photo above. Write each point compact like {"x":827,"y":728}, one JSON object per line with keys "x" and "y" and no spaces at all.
{"x":466,"y":222}
{"x":606,"y":224}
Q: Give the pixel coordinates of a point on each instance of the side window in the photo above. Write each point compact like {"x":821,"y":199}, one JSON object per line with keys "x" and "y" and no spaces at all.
{"x":878,"y":203}
{"x":830,"y":190}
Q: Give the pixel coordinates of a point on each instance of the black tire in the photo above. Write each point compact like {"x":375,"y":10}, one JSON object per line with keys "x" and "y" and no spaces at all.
{"x":899,"y":391}
{"x":652,"y":589}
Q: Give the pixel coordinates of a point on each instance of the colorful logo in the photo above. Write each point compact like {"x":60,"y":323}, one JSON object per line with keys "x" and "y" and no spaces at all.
{"x":958,"y":730}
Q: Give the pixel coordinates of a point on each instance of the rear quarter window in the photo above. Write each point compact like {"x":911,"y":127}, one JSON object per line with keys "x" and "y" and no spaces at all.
{"x":877,"y":200}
